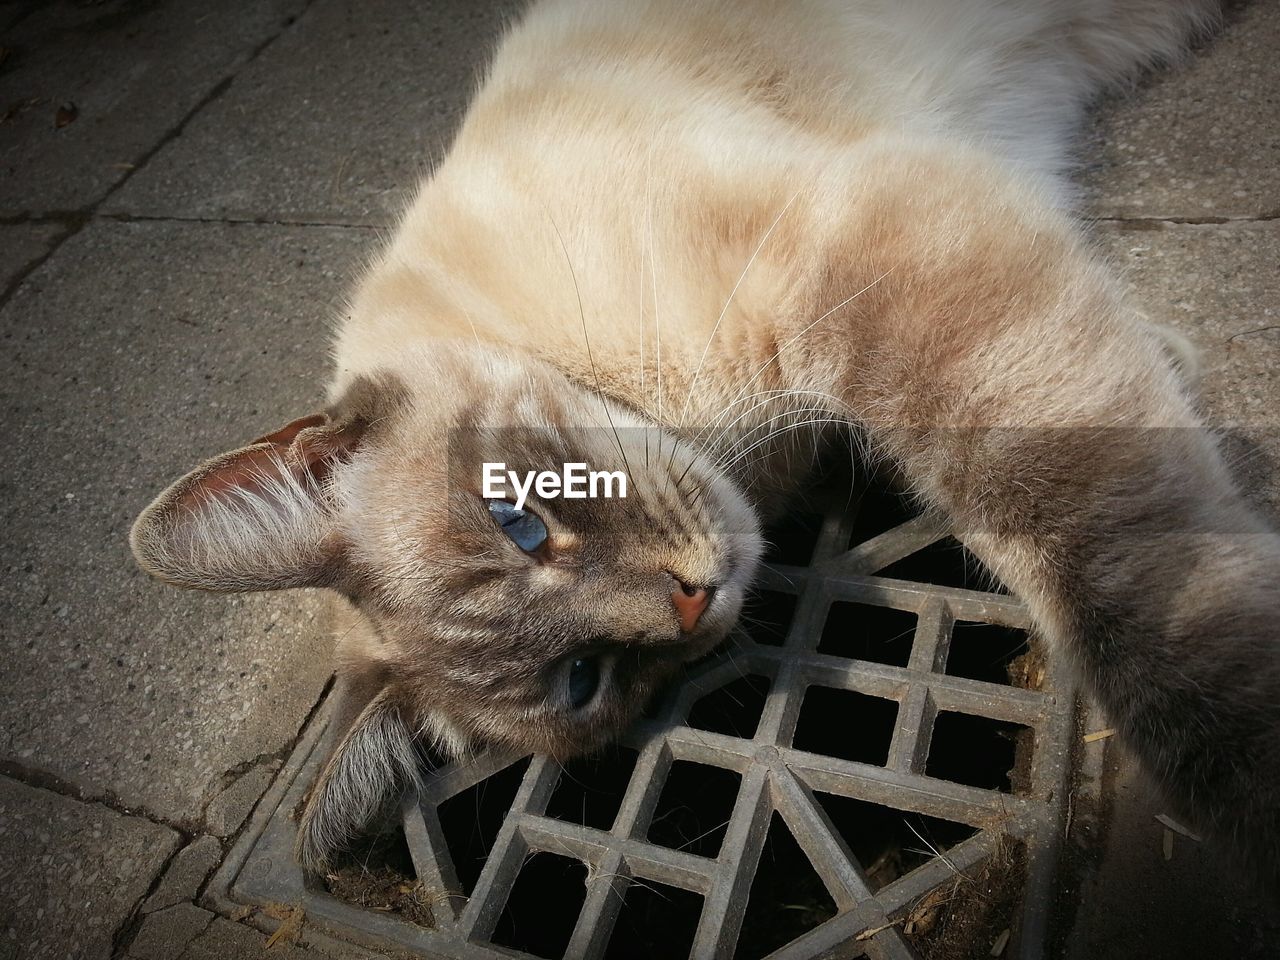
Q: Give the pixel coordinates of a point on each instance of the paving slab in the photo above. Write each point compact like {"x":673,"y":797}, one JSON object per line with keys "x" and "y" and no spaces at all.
{"x":165,"y":934}
{"x":89,"y":88}
{"x":13,"y":11}
{"x":227,"y":811}
{"x":335,"y":122}
{"x":185,"y":874}
{"x":21,"y":244}
{"x":1219,"y":285}
{"x":133,"y":353}
{"x":71,"y":873}
{"x":1199,"y":141}
{"x":223,"y":940}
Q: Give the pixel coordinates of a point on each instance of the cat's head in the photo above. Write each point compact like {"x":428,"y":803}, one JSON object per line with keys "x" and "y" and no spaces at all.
{"x":474,"y":622}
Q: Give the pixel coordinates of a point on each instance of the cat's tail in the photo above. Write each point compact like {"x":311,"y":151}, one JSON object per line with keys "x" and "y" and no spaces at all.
{"x":1018,"y":77}
{"x":1117,"y":39}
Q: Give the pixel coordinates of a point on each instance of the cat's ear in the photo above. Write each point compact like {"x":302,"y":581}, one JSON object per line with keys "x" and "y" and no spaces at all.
{"x":258,"y":518}
{"x":373,"y":762}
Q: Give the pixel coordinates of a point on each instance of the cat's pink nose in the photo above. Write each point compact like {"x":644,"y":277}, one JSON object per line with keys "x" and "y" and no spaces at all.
{"x":690,"y":603}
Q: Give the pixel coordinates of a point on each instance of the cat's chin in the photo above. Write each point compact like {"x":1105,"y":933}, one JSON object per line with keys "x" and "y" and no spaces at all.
{"x":704,"y":648}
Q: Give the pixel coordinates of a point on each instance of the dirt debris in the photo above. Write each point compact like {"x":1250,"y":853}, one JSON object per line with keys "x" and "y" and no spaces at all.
{"x":290,"y":918}
{"x":385,"y":889}
{"x":967,"y":917}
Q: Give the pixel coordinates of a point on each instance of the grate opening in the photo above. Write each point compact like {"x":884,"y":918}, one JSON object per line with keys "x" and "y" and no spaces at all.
{"x":660,"y":702}
{"x":792,"y":540}
{"x":878,"y":511}
{"x":846,"y":724}
{"x":733,"y":709}
{"x":470,"y":821}
{"x":693,"y":810}
{"x":787,"y":897}
{"x":860,"y":631}
{"x":656,"y":920}
{"x":767,"y":615}
{"x":590,"y":788}
{"x":980,"y":752}
{"x":543,"y":905}
{"x":946,"y":563}
{"x":987,"y":652}
{"x":890,"y":843}
{"x":378,"y":874}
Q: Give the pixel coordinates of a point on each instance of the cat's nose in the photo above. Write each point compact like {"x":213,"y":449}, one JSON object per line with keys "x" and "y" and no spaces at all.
{"x":690,"y":603}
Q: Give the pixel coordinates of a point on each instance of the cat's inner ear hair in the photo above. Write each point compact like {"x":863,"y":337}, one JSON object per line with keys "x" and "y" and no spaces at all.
{"x":258,"y":518}
{"x":264,"y":517}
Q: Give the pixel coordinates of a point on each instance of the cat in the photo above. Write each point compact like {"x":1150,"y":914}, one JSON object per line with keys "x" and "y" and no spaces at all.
{"x":693,"y":240}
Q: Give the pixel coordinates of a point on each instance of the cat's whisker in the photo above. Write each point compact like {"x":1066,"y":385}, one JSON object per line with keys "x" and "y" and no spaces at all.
{"x":697,"y":373}
{"x":695,"y":500}
{"x":640,"y":327}
{"x":726,"y":408}
{"x":653,"y":280}
{"x":854,"y":486}
{"x":582,"y":314}
{"x":705,"y":833}
{"x":472,"y":323}
{"x":713,"y":443}
{"x":777,"y":353}
{"x":764,"y":425}
{"x":709,"y":443}
{"x":787,"y":429}
{"x":742,"y":674}
{"x":790,"y":340}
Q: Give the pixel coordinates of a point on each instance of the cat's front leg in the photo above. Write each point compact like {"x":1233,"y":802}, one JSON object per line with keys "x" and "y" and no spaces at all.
{"x":994,"y":358}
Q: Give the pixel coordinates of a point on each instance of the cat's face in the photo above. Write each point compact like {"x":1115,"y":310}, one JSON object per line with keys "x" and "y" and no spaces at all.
{"x":547,"y":626}
{"x":544,"y":627}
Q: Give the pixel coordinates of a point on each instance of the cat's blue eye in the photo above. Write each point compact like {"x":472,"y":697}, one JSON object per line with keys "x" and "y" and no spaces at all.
{"x":584,"y":680}
{"x":526,"y":529}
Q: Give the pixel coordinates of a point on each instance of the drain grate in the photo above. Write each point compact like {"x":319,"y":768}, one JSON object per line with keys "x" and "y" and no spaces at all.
{"x":875,"y":767}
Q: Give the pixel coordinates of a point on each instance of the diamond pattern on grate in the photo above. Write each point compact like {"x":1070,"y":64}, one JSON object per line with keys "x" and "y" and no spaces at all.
{"x":818,"y":785}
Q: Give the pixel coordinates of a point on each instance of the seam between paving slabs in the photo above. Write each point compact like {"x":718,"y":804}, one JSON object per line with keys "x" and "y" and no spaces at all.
{"x":777,"y":778}
{"x":76,"y":220}
{"x":132,"y":924}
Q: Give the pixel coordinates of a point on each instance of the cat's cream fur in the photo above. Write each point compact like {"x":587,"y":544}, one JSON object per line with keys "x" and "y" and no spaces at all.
{"x":723,"y":226}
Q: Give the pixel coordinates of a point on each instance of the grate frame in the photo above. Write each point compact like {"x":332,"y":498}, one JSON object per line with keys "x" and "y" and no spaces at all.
{"x":775,"y":777}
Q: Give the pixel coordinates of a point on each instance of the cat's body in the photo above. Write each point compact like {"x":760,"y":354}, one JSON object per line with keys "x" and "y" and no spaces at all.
{"x":623,"y":163}
{"x":700,"y":222}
